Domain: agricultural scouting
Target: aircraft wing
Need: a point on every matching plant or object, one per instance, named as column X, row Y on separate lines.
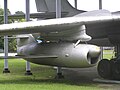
column 50, row 25
column 95, row 26
column 45, row 15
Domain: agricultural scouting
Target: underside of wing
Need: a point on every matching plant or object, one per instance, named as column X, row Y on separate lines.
column 95, row 24
column 46, row 15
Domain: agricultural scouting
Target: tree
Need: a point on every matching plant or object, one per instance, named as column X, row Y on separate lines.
column 1, row 22
column 2, row 19
column 12, row 42
column 1, row 13
column 20, row 13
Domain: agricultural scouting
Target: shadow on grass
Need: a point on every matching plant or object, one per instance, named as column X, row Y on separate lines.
column 44, row 81
column 44, row 74
column 72, row 77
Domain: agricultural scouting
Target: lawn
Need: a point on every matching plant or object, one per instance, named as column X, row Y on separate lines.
column 42, row 79
column 108, row 54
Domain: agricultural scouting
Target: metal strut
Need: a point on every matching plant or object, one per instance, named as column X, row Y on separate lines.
column 27, row 17
column 58, row 15
column 100, row 4
column 6, row 70
column 76, row 43
column 76, row 4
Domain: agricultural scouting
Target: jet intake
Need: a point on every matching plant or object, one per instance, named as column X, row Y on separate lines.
column 93, row 54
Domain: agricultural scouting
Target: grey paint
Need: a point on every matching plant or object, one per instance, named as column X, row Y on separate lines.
column 58, row 15
column 27, row 17
column 5, row 37
column 41, row 6
column 75, row 3
column 99, row 24
column 100, row 4
column 50, row 6
column 68, row 56
column 60, row 35
column 58, row 8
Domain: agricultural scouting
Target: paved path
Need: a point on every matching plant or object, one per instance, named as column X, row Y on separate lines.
column 87, row 76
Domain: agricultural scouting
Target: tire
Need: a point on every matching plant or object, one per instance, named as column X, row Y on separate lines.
column 112, row 62
column 104, row 69
column 116, row 70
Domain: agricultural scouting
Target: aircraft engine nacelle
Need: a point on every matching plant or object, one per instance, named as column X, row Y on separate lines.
column 68, row 55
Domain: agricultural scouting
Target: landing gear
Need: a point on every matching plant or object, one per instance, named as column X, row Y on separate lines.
column 116, row 70
column 59, row 76
column 6, row 70
column 28, row 70
column 28, row 73
column 104, row 69
column 59, row 73
column 109, row 69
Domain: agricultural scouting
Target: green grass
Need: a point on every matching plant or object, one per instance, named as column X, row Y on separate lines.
column 42, row 79
column 108, row 54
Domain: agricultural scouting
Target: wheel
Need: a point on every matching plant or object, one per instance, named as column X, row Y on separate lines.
column 112, row 63
column 104, row 69
column 116, row 70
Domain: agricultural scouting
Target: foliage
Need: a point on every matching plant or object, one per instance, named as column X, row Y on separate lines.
column 2, row 18
column 12, row 45
column 1, row 13
column 12, row 42
column 20, row 13
column 1, row 42
column 1, row 22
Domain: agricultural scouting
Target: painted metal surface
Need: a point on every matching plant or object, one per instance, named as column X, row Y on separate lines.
column 83, row 55
column 57, row 37
column 100, row 4
column 50, row 6
column 54, row 25
column 5, row 37
column 75, row 3
column 58, row 15
column 99, row 25
column 27, row 17
column 58, row 8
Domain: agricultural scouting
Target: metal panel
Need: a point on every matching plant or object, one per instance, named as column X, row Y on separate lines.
column 41, row 6
column 50, row 6
column 100, row 4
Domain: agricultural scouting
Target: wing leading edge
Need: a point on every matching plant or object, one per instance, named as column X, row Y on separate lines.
column 57, row 25
column 51, row 25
